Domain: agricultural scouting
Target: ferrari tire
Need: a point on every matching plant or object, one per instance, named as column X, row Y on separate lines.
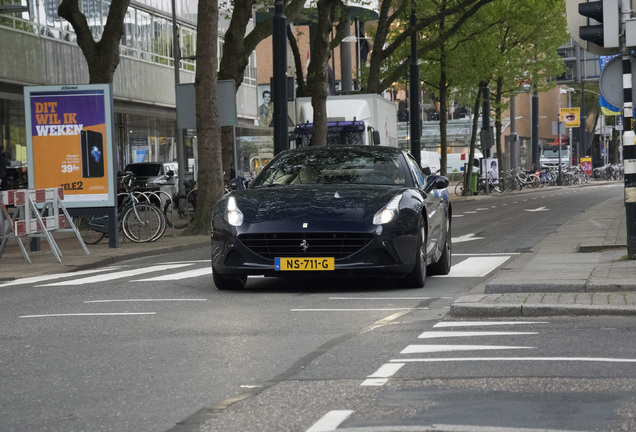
column 228, row 282
column 443, row 264
column 417, row 277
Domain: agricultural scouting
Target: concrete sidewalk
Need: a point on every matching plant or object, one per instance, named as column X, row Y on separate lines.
column 564, row 275
column 14, row 266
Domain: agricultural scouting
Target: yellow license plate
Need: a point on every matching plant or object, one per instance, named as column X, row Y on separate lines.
column 300, row 264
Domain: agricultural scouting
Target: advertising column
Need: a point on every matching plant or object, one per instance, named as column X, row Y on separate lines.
column 70, row 142
column 69, row 131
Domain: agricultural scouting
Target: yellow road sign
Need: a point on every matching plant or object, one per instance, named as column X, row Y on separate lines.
column 571, row 117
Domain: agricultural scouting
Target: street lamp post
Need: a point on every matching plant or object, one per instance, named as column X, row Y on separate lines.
column 176, row 52
column 279, row 57
column 416, row 122
column 559, row 178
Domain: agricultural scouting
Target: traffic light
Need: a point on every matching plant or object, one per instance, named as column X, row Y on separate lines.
column 603, row 23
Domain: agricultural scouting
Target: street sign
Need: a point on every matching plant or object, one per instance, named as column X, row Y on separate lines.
column 571, row 117
column 611, row 82
column 558, row 128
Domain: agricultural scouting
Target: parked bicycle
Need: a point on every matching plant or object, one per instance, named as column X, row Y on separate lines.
column 494, row 185
column 179, row 210
column 141, row 222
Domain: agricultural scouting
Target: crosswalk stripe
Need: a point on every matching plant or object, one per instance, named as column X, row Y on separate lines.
column 484, row 323
column 118, row 275
column 419, row 349
column 445, row 334
column 476, row 266
column 178, row 276
column 36, row 279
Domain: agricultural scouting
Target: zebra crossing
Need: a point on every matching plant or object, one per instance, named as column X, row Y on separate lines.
column 465, row 267
column 427, row 351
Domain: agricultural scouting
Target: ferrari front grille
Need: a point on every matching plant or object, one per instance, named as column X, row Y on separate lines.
column 337, row 245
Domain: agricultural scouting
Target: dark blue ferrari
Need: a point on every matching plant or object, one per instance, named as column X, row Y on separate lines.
column 334, row 211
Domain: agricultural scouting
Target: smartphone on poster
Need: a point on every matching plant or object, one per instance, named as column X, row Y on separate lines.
column 92, row 154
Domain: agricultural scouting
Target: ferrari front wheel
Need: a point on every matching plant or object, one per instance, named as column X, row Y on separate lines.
column 417, row 277
column 443, row 264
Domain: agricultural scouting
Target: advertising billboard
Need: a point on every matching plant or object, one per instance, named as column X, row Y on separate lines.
column 70, row 142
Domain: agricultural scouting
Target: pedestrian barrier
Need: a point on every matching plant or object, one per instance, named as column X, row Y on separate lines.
column 34, row 213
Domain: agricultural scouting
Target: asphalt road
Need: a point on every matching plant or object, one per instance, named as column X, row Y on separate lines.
column 152, row 346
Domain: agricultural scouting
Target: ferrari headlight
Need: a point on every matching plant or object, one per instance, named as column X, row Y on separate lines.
column 233, row 214
column 387, row 213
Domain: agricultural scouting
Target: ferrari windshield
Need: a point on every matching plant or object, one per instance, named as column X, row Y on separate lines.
column 329, row 165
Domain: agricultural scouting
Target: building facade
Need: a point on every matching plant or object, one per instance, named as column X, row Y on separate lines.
column 39, row 48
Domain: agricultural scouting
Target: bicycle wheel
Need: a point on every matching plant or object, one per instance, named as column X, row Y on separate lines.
column 89, row 235
column 143, row 223
column 459, row 189
column 179, row 211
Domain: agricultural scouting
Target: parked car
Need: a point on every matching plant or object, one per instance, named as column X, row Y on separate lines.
column 334, row 211
column 156, row 176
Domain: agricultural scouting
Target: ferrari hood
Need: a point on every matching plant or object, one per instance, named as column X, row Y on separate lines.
column 313, row 202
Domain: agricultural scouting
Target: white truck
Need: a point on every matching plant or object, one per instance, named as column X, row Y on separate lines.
column 362, row 119
column 550, row 157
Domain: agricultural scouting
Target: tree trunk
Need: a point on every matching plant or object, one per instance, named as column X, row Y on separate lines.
column 443, row 100
column 210, row 178
column 499, row 125
column 317, row 71
column 102, row 58
column 468, row 173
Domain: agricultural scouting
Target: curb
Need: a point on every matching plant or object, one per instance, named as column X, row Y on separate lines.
column 480, row 310
column 510, row 288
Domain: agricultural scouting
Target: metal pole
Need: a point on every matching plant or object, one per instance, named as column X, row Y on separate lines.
column 414, row 95
column 345, row 60
column 279, row 57
column 485, row 143
column 177, row 60
column 514, row 151
column 560, row 176
column 629, row 157
column 535, row 130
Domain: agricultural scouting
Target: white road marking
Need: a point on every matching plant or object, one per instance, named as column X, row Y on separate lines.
column 330, row 421
column 520, row 359
column 476, row 266
column 420, row 349
column 191, row 262
column 484, row 323
column 387, row 370
column 489, row 254
column 465, row 238
column 178, row 276
column 457, row 215
column 118, row 275
column 445, row 334
column 143, row 300
column 539, row 209
column 355, row 310
column 36, row 279
column 386, row 298
column 382, row 375
column 88, row 314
